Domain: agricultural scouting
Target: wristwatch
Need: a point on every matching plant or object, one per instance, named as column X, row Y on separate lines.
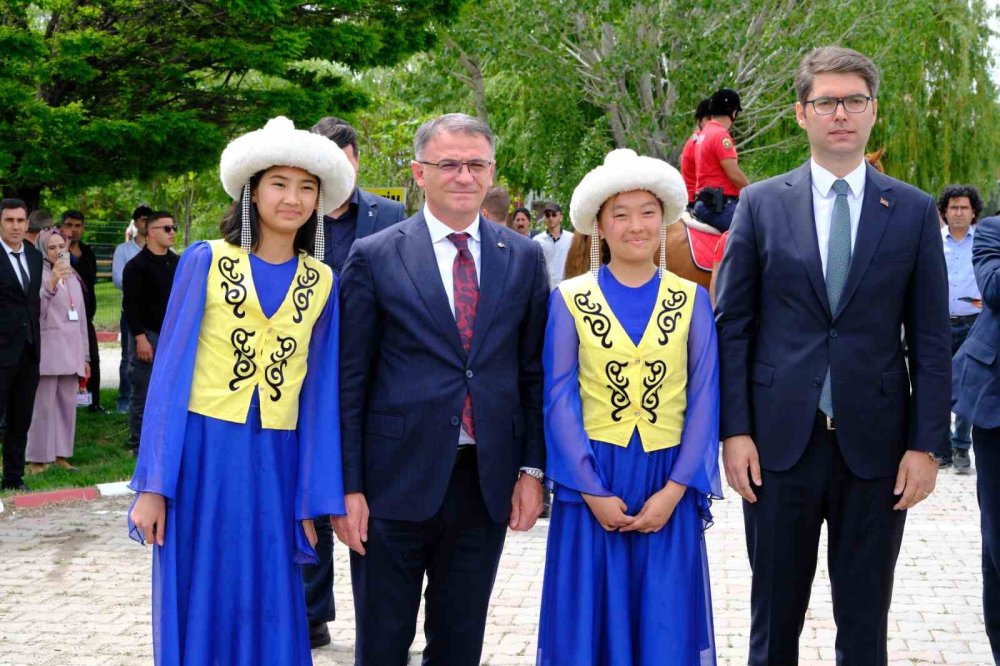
column 534, row 473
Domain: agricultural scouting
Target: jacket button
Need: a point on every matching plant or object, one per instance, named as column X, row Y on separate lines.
column 833, row 332
column 817, row 381
column 468, row 373
column 454, row 420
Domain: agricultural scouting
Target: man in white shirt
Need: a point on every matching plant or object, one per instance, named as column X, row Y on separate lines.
column 442, row 320
column 124, row 253
column 555, row 242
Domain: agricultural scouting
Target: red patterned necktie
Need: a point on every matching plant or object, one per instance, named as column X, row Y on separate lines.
column 466, row 289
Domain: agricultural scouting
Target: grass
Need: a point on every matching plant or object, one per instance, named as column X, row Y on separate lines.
column 99, row 452
column 109, row 306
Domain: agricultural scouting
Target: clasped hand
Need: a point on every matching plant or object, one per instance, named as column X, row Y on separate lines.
column 610, row 512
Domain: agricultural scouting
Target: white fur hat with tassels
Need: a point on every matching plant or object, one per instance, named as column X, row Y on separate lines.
column 278, row 143
column 624, row 171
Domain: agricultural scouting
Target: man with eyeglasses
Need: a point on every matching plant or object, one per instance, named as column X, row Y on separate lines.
column 718, row 177
column 442, row 320
column 555, row 242
column 825, row 417
column 146, row 283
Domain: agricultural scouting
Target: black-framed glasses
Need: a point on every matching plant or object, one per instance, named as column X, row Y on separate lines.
column 454, row 167
column 169, row 228
column 824, row 106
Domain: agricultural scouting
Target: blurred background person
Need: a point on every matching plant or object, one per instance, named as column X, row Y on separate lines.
column 65, row 356
column 38, row 221
column 555, row 243
column 124, row 253
column 83, row 260
column 496, row 205
column 521, row 222
column 147, row 281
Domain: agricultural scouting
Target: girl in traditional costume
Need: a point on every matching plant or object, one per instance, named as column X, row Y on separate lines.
column 240, row 445
column 631, row 429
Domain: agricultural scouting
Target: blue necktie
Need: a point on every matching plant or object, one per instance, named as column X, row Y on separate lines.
column 838, row 263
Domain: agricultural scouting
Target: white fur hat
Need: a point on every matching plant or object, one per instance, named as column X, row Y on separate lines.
column 624, row 171
column 280, row 144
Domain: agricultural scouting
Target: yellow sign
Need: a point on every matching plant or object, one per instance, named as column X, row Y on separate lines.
column 394, row 193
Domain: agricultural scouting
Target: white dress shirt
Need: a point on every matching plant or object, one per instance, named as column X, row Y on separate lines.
column 824, row 197
column 23, row 259
column 445, row 253
column 555, row 252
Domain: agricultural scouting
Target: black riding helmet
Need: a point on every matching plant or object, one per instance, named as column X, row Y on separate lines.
column 703, row 109
column 725, row 102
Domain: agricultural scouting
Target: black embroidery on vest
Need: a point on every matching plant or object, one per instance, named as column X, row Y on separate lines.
column 244, row 368
column 668, row 317
column 651, row 384
column 236, row 292
column 274, row 374
column 618, row 386
column 303, row 291
column 600, row 325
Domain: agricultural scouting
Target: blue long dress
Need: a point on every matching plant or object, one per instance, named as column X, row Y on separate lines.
column 227, row 587
column 627, row 598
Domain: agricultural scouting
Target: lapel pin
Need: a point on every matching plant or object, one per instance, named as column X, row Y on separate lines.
column 371, row 213
column 501, row 245
column 884, row 201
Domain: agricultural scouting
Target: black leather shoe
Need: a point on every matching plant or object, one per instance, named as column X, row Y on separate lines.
column 14, row 485
column 961, row 461
column 319, row 635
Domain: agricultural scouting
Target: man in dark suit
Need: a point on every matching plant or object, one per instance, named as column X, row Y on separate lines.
column 976, row 398
column 824, row 267
column 362, row 214
column 441, row 402
column 20, row 338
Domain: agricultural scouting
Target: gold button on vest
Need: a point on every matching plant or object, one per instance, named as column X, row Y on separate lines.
column 239, row 349
column 624, row 386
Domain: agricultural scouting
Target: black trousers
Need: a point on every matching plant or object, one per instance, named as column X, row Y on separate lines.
column 783, row 531
column 459, row 550
column 317, row 579
column 18, row 384
column 987, row 447
column 140, row 373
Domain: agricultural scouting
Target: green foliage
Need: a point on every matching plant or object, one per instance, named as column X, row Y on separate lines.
column 93, row 93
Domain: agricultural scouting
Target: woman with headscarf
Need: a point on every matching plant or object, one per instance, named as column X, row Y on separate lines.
column 240, row 444
column 631, row 428
column 64, row 358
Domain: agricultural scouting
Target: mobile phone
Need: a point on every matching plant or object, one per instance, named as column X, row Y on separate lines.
column 64, row 257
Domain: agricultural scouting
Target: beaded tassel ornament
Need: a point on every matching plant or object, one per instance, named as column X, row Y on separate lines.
column 663, row 249
column 245, row 235
column 595, row 251
column 319, row 244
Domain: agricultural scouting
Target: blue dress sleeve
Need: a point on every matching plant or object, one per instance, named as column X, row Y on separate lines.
column 570, row 461
column 165, row 420
column 320, row 487
column 697, row 464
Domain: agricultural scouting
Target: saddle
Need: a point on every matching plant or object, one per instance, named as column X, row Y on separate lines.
column 702, row 240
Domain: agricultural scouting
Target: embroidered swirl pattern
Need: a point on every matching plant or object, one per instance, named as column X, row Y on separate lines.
column 651, row 384
column 236, row 291
column 667, row 318
column 303, row 291
column 593, row 315
column 618, row 386
column 244, row 368
column 274, row 374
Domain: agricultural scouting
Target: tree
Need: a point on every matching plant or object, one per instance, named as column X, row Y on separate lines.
column 95, row 92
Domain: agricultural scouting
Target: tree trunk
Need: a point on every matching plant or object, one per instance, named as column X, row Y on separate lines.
column 31, row 195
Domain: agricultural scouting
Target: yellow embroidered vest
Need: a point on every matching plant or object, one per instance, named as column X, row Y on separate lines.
column 240, row 349
column 624, row 386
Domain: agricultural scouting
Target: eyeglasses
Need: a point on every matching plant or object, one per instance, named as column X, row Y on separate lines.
column 454, row 167
column 169, row 228
column 824, row 106
column 551, row 213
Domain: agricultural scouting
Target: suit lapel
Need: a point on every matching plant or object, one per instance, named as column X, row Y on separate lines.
column 494, row 258
column 876, row 209
column 367, row 210
column 417, row 255
column 798, row 204
column 7, row 272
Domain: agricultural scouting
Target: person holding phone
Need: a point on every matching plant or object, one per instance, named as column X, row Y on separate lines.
column 65, row 358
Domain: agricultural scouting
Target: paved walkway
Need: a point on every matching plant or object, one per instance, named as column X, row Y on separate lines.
column 74, row 590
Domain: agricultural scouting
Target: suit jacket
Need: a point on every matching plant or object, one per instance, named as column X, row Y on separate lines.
column 375, row 213
column 976, row 373
column 19, row 312
column 65, row 346
column 404, row 373
column 777, row 335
